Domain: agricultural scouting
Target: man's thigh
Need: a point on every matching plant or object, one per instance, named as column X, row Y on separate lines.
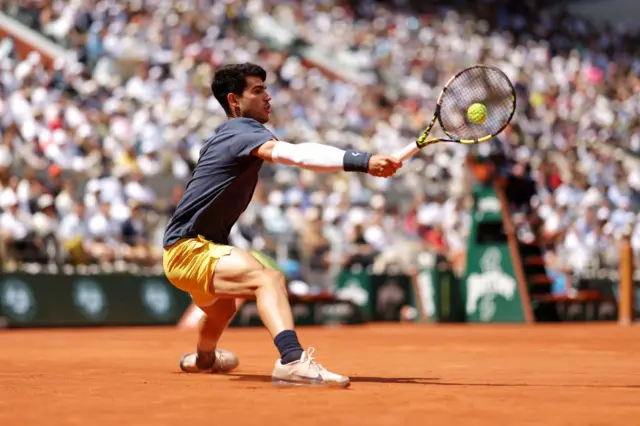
column 240, row 274
column 208, row 271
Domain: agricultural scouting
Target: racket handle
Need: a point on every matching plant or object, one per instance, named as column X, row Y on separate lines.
column 407, row 152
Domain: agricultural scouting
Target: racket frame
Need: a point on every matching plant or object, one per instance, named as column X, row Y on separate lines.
column 422, row 141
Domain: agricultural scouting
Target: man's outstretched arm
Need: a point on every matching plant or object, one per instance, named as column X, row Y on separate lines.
column 326, row 158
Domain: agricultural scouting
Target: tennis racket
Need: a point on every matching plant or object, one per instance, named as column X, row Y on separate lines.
column 484, row 85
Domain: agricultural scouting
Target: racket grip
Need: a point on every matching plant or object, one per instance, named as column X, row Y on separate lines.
column 407, row 152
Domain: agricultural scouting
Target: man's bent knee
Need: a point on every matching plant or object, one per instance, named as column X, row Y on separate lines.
column 274, row 279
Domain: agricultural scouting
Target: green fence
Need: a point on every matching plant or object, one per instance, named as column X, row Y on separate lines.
column 48, row 300
column 433, row 294
column 45, row 300
column 306, row 312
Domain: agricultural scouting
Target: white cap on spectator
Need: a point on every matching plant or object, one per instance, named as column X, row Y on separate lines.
column 149, row 146
column 34, row 58
column 592, row 197
column 84, row 130
column 60, row 137
column 330, row 214
column 377, row 201
column 64, row 203
column 44, row 201
column 603, row 213
column 39, row 96
column 93, row 186
column 120, row 212
column 427, row 215
column 44, row 135
column 29, row 130
column 23, row 70
column 294, row 197
column 74, row 116
column 317, row 198
column 357, row 216
column 98, row 226
column 59, row 63
column 562, row 198
column 8, row 198
column 276, row 198
column 75, row 68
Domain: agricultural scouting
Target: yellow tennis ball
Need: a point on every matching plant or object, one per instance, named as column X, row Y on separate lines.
column 477, row 113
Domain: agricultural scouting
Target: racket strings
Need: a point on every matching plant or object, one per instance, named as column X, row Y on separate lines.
column 485, row 85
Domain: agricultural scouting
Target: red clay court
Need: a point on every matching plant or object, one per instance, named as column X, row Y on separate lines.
column 402, row 374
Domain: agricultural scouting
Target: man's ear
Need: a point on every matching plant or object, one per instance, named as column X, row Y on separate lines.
column 233, row 101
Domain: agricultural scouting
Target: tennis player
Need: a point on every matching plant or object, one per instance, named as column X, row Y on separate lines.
column 197, row 257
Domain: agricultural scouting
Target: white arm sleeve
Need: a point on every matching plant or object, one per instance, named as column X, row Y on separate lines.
column 310, row 156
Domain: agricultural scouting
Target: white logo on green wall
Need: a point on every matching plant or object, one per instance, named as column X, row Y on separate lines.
column 353, row 292
column 157, row 298
column 489, row 204
column 492, row 281
column 90, row 299
column 17, row 299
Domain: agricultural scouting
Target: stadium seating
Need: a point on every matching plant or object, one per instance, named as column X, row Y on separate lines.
column 123, row 117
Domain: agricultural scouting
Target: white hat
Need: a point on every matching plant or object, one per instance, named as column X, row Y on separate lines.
column 603, row 213
column 330, row 214
column 295, row 197
column 59, row 137
column 93, row 186
column 357, row 216
column 592, row 197
column 84, row 130
column 8, row 198
column 29, row 129
column 45, row 200
column 276, row 198
column 377, row 201
column 317, row 198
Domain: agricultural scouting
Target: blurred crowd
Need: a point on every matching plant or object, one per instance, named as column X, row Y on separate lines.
column 86, row 142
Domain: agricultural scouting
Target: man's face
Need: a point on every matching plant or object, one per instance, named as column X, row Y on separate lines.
column 255, row 100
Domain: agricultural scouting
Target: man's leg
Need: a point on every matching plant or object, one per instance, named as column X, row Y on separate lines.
column 215, row 320
column 240, row 275
column 210, row 327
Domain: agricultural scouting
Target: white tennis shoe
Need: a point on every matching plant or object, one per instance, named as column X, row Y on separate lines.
column 308, row 372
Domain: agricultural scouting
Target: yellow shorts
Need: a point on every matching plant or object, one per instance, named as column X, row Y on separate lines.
column 189, row 264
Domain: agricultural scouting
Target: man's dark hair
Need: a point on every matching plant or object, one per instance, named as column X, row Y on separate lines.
column 231, row 79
